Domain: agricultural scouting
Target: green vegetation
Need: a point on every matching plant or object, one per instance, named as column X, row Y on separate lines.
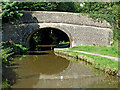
column 19, row 49
column 5, row 83
column 16, row 48
column 47, row 6
column 62, row 43
column 103, row 50
column 8, row 50
column 107, row 65
column 9, row 12
column 6, row 53
column 105, row 10
column 5, row 59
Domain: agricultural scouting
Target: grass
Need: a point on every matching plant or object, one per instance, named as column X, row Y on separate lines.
column 103, row 50
column 105, row 64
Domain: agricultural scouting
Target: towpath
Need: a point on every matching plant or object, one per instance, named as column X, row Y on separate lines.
column 109, row 57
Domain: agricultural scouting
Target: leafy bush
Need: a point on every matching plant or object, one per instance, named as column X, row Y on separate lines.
column 8, row 49
column 104, row 10
column 5, row 83
column 37, row 6
column 5, row 55
column 19, row 49
column 16, row 48
column 9, row 12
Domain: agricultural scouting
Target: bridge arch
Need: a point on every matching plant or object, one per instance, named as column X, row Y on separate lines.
column 27, row 39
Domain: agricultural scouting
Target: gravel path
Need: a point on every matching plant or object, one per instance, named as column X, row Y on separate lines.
column 110, row 57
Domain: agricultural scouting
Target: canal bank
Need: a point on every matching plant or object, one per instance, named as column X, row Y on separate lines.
column 105, row 64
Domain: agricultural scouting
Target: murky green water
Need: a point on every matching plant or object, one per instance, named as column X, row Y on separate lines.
column 45, row 63
column 46, row 70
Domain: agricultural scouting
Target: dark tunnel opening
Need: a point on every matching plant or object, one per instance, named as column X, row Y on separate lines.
column 48, row 39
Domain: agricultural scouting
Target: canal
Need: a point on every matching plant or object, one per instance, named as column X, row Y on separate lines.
column 43, row 69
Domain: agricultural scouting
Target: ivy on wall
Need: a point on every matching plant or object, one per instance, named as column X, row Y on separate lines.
column 9, row 12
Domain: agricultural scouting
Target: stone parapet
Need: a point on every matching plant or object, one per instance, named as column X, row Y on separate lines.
column 60, row 17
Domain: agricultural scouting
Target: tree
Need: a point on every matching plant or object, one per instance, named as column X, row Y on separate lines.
column 9, row 12
column 66, row 6
column 37, row 6
column 110, row 11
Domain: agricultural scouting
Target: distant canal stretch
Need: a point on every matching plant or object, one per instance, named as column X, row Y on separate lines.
column 43, row 69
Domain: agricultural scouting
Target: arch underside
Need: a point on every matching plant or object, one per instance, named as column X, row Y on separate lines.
column 46, row 25
column 65, row 36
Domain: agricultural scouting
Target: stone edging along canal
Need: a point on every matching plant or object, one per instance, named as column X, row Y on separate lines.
column 77, row 58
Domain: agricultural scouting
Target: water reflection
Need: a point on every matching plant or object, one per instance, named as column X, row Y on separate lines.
column 46, row 63
column 45, row 70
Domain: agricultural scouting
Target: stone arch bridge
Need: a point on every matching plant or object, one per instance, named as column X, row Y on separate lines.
column 80, row 29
